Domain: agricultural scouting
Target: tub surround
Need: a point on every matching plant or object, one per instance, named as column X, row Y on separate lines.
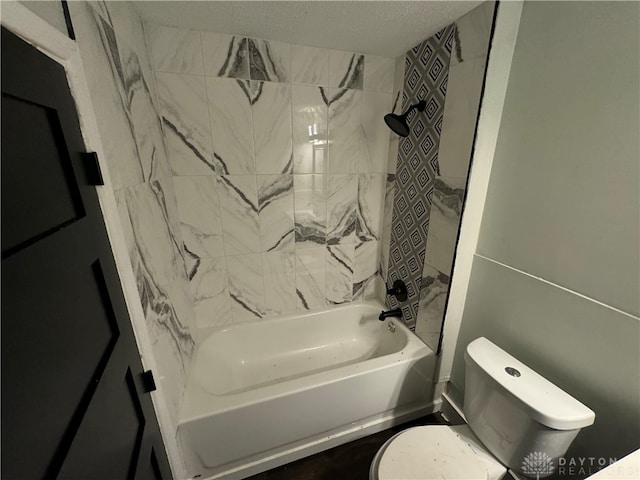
column 213, row 149
column 278, row 155
column 120, row 79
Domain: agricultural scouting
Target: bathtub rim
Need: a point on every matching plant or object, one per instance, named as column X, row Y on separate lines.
column 360, row 326
column 197, row 403
column 198, row 410
column 204, row 332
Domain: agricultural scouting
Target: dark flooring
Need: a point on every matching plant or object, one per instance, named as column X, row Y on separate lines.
column 350, row 461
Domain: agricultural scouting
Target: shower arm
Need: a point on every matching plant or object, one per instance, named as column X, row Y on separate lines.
column 421, row 105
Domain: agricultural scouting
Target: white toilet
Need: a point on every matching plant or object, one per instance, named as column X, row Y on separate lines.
column 516, row 419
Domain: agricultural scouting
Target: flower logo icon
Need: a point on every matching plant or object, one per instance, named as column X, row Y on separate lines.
column 537, row 463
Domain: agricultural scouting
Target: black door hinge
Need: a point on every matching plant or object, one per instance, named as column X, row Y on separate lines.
column 148, row 382
column 92, row 168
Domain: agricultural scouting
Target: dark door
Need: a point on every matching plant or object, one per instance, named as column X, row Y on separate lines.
column 73, row 401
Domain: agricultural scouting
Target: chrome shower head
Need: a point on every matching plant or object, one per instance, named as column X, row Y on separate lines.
column 398, row 123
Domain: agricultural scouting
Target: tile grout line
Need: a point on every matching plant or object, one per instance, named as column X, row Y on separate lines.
column 227, row 284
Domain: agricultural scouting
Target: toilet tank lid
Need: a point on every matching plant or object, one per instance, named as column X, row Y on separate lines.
column 545, row 402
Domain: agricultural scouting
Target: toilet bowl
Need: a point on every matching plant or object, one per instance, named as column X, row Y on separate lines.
column 514, row 416
column 450, row 452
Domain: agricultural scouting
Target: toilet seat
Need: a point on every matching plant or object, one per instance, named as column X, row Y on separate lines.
column 435, row 452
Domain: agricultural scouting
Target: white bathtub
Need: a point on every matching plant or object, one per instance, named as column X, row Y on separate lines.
column 268, row 392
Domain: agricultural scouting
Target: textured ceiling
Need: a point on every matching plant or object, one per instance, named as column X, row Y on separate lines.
column 387, row 28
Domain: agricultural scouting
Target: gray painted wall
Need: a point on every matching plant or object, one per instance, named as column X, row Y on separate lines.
column 555, row 279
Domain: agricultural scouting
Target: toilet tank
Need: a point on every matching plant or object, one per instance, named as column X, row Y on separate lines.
column 524, row 420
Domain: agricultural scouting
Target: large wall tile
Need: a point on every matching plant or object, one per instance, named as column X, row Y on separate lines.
column 246, row 286
column 365, row 269
column 125, row 222
column 342, row 202
column 225, row 55
column 144, row 117
column 239, row 212
column 272, row 128
column 390, row 190
column 346, row 69
column 440, row 252
column 446, row 206
column 127, row 27
column 371, row 188
column 392, row 157
column 345, row 129
column 460, row 116
column 309, row 65
column 280, row 282
column 383, row 267
column 385, row 244
column 434, row 290
column 310, row 197
column 378, row 74
column 309, row 114
column 199, row 211
column 164, row 190
column 376, row 133
column 210, row 292
column 444, row 222
column 275, row 203
column 175, row 49
column 339, row 273
column 140, row 89
column 310, row 278
column 473, row 32
column 269, row 60
column 185, row 115
column 107, row 95
column 160, row 274
column 231, row 124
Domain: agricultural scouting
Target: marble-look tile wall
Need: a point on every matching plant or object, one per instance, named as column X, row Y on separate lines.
column 120, row 79
column 422, row 247
column 279, row 156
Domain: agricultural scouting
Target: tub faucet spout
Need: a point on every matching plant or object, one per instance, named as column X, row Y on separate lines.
column 390, row 313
